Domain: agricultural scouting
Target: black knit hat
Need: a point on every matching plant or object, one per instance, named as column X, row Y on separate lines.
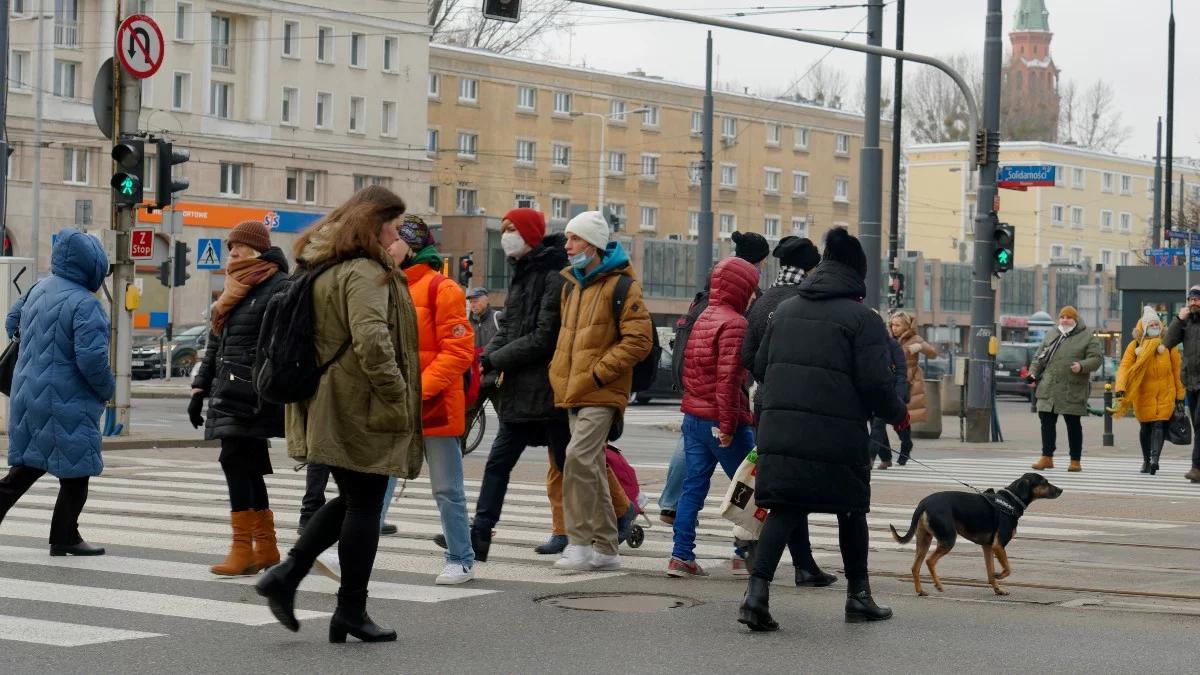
column 797, row 252
column 841, row 246
column 751, row 247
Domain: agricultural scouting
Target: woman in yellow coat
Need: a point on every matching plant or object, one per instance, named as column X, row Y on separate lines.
column 1148, row 381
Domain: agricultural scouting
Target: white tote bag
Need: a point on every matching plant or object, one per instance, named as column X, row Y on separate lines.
column 739, row 507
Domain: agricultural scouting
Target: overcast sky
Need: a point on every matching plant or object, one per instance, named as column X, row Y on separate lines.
column 1122, row 41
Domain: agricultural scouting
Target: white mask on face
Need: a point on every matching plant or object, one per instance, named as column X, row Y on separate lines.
column 1154, row 331
column 513, row 244
column 1066, row 328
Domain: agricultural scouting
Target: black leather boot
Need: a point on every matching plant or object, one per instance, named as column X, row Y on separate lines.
column 82, row 548
column 1156, row 445
column 278, row 585
column 481, row 541
column 860, row 606
column 351, row 618
column 1145, row 467
column 754, row 612
column 814, row 577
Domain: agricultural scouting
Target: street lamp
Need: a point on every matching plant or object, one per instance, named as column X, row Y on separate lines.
column 603, row 153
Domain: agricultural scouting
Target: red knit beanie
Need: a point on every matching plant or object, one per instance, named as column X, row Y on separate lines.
column 530, row 223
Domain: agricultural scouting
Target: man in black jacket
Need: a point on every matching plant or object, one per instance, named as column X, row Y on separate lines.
column 1185, row 330
column 813, row 448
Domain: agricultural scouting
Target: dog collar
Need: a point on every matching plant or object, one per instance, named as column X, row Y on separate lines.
column 1019, row 506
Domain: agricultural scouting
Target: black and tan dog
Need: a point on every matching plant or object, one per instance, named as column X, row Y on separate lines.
column 988, row 519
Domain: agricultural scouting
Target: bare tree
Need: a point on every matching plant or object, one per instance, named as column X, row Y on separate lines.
column 934, row 108
column 1089, row 118
column 461, row 23
column 825, row 85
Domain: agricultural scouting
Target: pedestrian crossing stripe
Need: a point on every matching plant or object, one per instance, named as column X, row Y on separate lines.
column 62, row 634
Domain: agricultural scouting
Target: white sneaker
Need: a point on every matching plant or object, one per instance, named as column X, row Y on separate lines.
column 604, row 562
column 327, row 563
column 453, row 574
column 575, row 557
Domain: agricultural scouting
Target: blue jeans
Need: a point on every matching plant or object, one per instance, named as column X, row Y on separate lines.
column 444, row 459
column 703, row 453
column 676, row 472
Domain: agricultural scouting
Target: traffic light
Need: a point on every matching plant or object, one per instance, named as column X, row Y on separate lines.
column 895, row 289
column 182, row 263
column 1006, row 241
column 164, row 274
column 167, row 184
column 131, row 166
column 465, row 264
column 502, row 10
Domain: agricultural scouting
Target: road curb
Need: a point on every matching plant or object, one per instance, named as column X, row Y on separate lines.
column 150, row 444
column 160, row 394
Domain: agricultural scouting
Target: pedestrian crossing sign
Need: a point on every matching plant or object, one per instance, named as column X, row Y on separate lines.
column 209, row 255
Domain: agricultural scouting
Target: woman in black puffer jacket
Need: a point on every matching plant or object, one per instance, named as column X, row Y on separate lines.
column 236, row 415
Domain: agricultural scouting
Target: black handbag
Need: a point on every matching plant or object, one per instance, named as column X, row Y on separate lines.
column 8, row 363
column 1179, row 429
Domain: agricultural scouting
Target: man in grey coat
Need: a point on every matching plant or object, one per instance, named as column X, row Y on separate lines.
column 1185, row 330
column 1061, row 372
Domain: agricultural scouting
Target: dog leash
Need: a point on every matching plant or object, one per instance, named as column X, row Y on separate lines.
column 930, row 468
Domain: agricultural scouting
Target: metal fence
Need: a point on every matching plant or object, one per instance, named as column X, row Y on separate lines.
column 1016, row 292
column 956, row 287
column 1066, row 288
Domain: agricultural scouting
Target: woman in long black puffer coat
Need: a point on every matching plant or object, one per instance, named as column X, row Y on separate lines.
column 814, row 452
column 236, row 415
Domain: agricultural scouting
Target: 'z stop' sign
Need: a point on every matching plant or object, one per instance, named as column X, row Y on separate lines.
column 141, row 244
column 140, row 46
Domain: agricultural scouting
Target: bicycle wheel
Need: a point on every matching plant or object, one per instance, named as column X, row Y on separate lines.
column 476, row 426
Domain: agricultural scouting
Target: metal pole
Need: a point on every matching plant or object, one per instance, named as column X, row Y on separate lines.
column 1160, row 234
column 704, row 243
column 129, row 90
column 1170, row 113
column 897, row 123
column 4, row 121
column 167, row 360
column 35, row 225
column 983, row 297
column 1107, row 439
column 603, row 160
column 870, row 170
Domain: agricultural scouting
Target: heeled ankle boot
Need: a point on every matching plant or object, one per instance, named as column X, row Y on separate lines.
column 279, row 585
column 266, row 548
column 240, row 560
column 860, row 606
column 814, row 577
column 754, row 612
column 351, row 618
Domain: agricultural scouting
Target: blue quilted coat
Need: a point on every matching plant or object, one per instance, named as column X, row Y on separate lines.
column 62, row 379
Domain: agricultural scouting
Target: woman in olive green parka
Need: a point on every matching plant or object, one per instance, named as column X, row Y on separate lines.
column 1062, row 371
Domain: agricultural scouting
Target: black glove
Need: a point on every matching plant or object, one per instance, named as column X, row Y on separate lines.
column 486, row 364
column 1030, row 379
column 195, row 407
column 1119, row 394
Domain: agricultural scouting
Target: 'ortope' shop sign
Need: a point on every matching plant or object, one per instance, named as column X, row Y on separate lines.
column 227, row 217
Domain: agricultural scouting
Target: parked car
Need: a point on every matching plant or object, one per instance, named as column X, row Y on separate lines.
column 183, row 352
column 663, row 385
column 935, row 368
column 1012, row 367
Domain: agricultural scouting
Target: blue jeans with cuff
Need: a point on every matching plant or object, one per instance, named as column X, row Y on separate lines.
column 703, row 452
column 444, row 459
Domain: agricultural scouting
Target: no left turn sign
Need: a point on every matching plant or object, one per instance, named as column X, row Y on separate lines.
column 140, row 46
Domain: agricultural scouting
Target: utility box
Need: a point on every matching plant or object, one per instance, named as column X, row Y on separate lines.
column 16, row 278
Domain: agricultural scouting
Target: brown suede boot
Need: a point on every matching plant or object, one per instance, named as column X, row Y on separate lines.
column 241, row 553
column 1193, row 475
column 266, row 550
column 1075, row 466
column 1044, row 462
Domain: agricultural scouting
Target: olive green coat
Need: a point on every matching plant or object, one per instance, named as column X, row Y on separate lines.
column 366, row 414
column 1058, row 389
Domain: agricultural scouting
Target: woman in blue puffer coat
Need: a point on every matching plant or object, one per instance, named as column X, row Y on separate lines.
column 60, row 386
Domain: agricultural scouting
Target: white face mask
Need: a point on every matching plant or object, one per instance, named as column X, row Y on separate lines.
column 1067, row 328
column 513, row 244
column 1154, row 331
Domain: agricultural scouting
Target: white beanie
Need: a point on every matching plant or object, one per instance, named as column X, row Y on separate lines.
column 1149, row 316
column 591, row 227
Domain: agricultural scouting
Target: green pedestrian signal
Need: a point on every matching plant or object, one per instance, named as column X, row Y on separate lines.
column 129, row 156
column 1005, row 236
column 127, row 185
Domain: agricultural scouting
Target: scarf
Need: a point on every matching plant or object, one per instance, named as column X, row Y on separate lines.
column 241, row 277
column 789, row 276
column 1147, row 350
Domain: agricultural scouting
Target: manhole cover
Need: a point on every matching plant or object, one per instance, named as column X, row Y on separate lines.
column 618, row 602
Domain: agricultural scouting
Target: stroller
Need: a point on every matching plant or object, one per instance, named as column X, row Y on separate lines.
column 627, row 477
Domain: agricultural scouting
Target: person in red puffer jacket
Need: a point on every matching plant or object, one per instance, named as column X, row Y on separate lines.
column 717, row 422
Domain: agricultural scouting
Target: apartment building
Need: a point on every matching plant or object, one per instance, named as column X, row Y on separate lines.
column 287, row 107
column 1098, row 212
column 506, row 132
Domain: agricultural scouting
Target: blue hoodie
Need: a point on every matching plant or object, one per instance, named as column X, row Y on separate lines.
column 614, row 257
column 62, row 379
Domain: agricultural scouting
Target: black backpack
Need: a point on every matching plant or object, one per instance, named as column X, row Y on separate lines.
column 645, row 370
column 287, row 368
column 683, row 330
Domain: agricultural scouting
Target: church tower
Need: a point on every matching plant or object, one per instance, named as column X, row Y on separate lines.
column 1032, row 77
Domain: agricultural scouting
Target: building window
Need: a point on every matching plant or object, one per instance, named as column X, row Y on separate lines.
column 1077, row 179
column 1126, row 221
column 1106, row 258
column 1106, row 221
column 220, row 96
column 1106, row 182
column 693, row 223
column 287, row 105
column 66, row 23
column 1124, row 258
column 1077, row 217
column 562, row 102
column 695, row 172
column 310, row 187
column 799, row 226
column 324, row 111
column 697, row 123
column 64, row 78
column 1057, row 214
column 649, row 218
column 75, row 165
column 468, row 145
column 221, row 38
column 525, row 200
column 773, row 134
column 650, row 116
column 559, row 207
column 387, row 118
column 728, row 128
column 291, row 44
column 433, row 198
column 561, row 156
column 231, row 179
column 1076, row 255
column 526, row 98
column 361, row 181
column 616, row 163
column 526, row 152
column 358, row 50
column 468, row 90
column 391, row 46
column 617, row 111
column 435, row 85
column 358, row 113
column 464, row 201
column 1056, row 252
column 1149, row 188
column 292, row 186
column 183, row 21
column 771, row 227
column 18, row 70
column 800, row 138
column 302, row 186
column 771, row 180
column 650, row 167
column 181, row 91
column 324, row 44
column 841, row 189
column 728, row 175
column 1126, row 184
column 843, row 144
column 800, row 183
column 431, row 142
column 728, row 224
